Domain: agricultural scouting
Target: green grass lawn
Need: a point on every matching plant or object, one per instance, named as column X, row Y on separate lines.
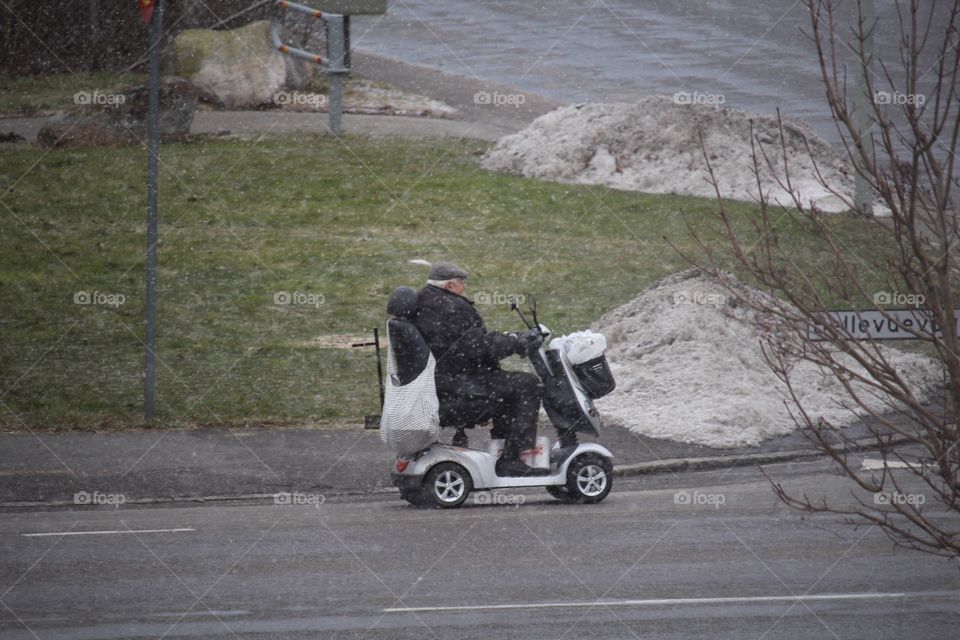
column 336, row 223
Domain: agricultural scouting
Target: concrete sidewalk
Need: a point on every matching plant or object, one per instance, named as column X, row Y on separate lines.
column 222, row 463
column 249, row 124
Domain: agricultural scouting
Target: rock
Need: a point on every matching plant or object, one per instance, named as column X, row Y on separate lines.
column 123, row 119
column 236, row 69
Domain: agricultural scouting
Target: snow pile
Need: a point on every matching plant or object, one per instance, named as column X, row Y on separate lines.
column 362, row 96
column 653, row 146
column 369, row 98
column 689, row 367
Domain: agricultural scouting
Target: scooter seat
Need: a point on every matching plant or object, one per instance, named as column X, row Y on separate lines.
column 463, row 403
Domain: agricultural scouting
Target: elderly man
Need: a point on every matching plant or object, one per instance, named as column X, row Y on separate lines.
column 468, row 374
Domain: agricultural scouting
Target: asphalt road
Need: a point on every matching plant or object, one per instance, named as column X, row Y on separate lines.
column 746, row 55
column 696, row 555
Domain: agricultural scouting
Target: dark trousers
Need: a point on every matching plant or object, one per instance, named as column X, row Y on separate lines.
column 510, row 398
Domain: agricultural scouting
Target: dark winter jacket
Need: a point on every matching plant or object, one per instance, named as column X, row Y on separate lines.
column 457, row 336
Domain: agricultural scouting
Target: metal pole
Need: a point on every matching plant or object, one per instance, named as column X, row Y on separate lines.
column 346, row 42
column 862, row 109
column 335, row 68
column 93, row 57
column 376, row 346
column 153, row 155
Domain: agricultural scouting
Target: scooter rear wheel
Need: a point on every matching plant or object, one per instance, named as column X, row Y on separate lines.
column 589, row 478
column 446, row 486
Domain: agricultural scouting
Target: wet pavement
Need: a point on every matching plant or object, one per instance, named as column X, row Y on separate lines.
column 751, row 55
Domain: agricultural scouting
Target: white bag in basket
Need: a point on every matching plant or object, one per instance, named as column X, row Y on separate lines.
column 584, row 346
column 411, row 412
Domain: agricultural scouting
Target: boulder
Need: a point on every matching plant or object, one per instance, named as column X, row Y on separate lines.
column 236, row 69
column 119, row 119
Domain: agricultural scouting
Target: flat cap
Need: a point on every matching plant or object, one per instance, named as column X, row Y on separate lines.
column 446, row 271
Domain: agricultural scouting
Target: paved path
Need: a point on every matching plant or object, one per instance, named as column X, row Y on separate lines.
column 254, row 123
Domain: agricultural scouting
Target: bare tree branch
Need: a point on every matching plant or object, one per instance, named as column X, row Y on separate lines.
column 910, row 163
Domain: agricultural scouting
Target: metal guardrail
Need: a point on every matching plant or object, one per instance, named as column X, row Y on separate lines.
column 336, row 50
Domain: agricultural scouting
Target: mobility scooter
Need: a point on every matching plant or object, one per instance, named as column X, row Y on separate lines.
column 574, row 372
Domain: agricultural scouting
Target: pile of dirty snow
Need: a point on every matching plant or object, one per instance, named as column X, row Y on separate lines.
column 653, row 145
column 689, row 367
column 363, row 96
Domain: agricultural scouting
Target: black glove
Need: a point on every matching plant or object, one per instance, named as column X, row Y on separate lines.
column 528, row 339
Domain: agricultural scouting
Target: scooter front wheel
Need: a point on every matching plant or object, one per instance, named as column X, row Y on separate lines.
column 446, row 486
column 589, row 478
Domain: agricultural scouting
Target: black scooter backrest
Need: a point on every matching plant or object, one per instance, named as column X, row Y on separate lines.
column 403, row 302
column 409, row 346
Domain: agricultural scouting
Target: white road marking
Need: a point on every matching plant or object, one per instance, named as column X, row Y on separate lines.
column 679, row 601
column 104, row 533
column 869, row 464
column 878, row 465
column 31, row 472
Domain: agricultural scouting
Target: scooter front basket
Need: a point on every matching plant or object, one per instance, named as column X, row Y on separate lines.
column 595, row 376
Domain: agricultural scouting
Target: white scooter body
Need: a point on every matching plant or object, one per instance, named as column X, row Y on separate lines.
column 442, row 475
column 480, row 465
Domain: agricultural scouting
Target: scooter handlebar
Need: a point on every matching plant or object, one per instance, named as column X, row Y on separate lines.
column 513, row 305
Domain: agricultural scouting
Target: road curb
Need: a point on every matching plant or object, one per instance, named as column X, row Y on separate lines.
column 671, row 465
column 713, row 462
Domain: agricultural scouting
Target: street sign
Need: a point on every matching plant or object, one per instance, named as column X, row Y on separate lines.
column 889, row 324
column 353, row 7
